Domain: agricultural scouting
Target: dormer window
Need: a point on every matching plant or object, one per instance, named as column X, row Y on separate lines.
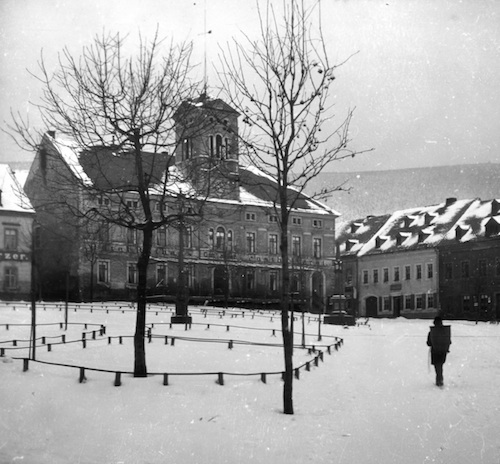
column 354, row 227
column 296, row 221
column 407, row 220
column 423, row 236
column 349, row 244
column 492, row 228
column 459, row 232
column 379, row 241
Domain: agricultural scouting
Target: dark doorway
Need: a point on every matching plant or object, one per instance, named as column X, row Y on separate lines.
column 371, row 306
column 221, row 281
column 397, row 302
column 317, row 293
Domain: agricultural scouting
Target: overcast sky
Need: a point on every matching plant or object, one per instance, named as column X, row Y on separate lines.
column 425, row 81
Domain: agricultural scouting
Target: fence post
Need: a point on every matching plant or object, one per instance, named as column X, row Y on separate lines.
column 230, row 344
column 166, row 339
column 25, row 364
column 165, row 379
column 118, row 380
column 297, row 374
column 263, row 377
column 220, row 379
column 49, row 347
column 82, row 375
column 308, row 366
column 172, row 342
column 63, row 338
column 84, row 343
column 2, row 352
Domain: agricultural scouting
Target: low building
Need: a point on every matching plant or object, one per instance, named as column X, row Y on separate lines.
column 397, row 259
column 16, row 221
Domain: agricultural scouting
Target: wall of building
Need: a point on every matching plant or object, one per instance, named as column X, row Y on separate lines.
column 398, row 295
column 470, row 280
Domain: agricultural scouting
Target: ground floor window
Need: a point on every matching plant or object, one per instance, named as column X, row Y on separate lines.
column 103, row 272
column 132, row 273
column 419, row 302
column 466, row 305
column 250, row 281
column 386, row 303
column 11, row 278
column 161, row 274
column 408, row 302
column 430, row 300
column 273, row 281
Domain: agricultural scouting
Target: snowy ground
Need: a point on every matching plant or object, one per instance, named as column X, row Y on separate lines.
column 372, row 401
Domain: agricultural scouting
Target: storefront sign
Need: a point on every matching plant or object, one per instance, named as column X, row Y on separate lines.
column 14, row 256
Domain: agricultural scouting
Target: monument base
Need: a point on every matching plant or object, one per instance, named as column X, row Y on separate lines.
column 181, row 320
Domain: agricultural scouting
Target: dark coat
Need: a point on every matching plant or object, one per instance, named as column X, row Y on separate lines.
column 439, row 339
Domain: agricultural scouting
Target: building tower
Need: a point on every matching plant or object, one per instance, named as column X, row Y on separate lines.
column 207, row 146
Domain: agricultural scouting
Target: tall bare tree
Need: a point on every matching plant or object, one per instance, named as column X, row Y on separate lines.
column 119, row 111
column 280, row 83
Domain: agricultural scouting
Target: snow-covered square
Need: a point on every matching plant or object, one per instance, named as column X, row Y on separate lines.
column 372, row 400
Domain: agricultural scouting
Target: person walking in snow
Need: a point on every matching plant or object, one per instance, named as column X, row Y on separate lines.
column 439, row 340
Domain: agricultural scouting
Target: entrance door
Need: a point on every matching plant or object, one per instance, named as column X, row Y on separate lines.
column 317, row 293
column 221, row 281
column 397, row 305
column 371, row 306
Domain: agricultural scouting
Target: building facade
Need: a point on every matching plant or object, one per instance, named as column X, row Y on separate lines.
column 469, row 264
column 395, row 263
column 16, row 226
column 229, row 253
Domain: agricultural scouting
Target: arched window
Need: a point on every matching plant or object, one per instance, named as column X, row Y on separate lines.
column 220, row 238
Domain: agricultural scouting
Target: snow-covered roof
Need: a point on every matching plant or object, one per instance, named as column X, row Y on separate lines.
column 482, row 219
column 13, row 197
column 415, row 228
column 103, row 169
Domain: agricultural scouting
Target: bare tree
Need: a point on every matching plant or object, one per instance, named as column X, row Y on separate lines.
column 118, row 111
column 281, row 84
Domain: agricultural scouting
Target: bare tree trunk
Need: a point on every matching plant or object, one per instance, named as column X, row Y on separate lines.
column 140, row 369
column 285, row 324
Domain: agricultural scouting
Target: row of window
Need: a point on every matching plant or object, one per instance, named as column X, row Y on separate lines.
column 464, row 270
column 222, row 240
column 218, row 147
column 104, row 276
column 273, row 218
column 406, row 272
column 410, row 302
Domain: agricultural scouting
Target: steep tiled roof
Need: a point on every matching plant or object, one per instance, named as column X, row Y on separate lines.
column 108, row 168
column 352, row 236
column 412, row 229
column 481, row 220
